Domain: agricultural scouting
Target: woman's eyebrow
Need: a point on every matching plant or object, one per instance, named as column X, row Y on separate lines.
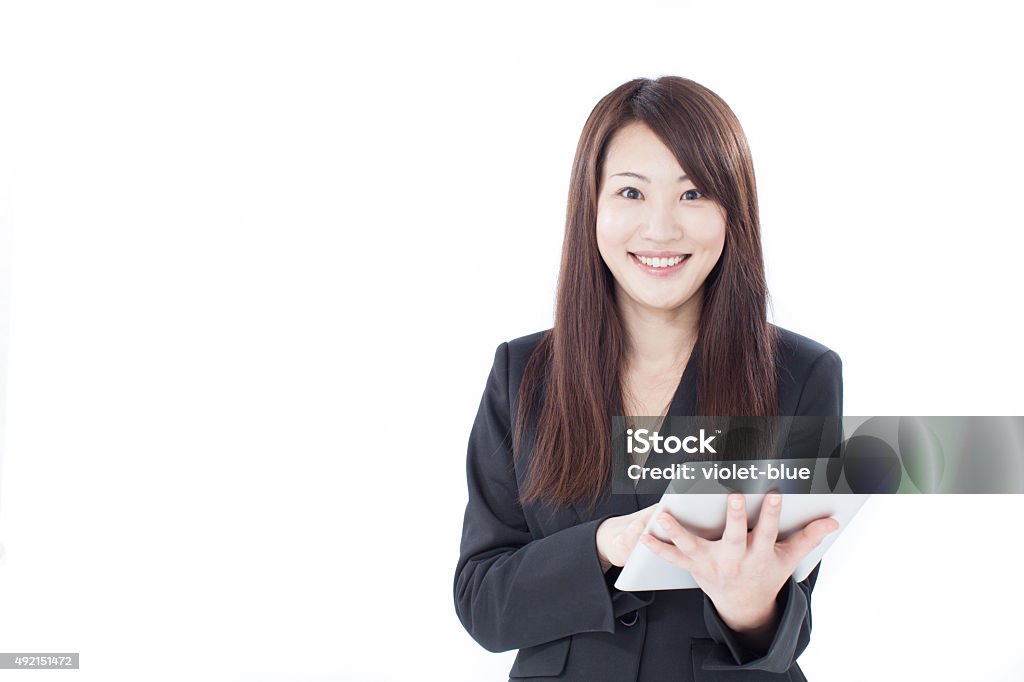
column 682, row 178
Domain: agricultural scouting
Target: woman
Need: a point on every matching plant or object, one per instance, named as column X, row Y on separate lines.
column 661, row 310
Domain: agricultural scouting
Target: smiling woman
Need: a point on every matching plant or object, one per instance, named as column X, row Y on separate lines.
column 661, row 310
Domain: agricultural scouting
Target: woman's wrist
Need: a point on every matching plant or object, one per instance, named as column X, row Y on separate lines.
column 601, row 558
column 755, row 628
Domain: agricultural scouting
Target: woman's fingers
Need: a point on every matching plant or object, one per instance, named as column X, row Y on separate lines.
column 630, row 528
column 766, row 531
column 735, row 534
column 801, row 544
column 636, row 527
column 686, row 541
column 691, row 551
column 638, row 523
column 668, row 551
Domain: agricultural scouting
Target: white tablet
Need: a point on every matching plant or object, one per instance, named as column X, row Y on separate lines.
column 704, row 514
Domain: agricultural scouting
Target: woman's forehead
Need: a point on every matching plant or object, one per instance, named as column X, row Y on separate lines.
column 636, row 151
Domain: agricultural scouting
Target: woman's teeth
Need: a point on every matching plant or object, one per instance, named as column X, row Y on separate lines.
column 661, row 262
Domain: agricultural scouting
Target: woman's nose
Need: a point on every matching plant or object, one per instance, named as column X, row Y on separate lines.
column 662, row 225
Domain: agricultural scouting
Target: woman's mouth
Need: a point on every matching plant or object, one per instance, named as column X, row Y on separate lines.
column 660, row 266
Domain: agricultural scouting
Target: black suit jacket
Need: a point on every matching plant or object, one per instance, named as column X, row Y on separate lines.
column 528, row 576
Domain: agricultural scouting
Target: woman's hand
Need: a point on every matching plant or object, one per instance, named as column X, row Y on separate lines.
column 618, row 535
column 743, row 572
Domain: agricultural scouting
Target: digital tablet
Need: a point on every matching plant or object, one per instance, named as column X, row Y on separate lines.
column 704, row 515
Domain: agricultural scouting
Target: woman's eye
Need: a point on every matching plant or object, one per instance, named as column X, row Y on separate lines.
column 634, row 193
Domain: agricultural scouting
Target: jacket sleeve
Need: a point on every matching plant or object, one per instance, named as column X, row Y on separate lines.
column 513, row 590
column 822, row 395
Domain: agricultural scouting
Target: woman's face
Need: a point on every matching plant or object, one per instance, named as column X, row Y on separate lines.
column 659, row 236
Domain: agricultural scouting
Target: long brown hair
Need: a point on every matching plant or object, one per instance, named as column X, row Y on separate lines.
column 577, row 367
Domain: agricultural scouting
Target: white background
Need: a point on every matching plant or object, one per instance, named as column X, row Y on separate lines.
column 261, row 253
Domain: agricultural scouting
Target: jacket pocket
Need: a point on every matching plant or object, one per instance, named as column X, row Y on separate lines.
column 699, row 650
column 542, row 660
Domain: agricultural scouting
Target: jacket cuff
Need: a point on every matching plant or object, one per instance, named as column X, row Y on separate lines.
column 731, row 654
column 625, row 602
column 591, row 586
column 622, row 602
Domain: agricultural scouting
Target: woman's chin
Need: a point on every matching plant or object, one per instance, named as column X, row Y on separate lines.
column 660, row 304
